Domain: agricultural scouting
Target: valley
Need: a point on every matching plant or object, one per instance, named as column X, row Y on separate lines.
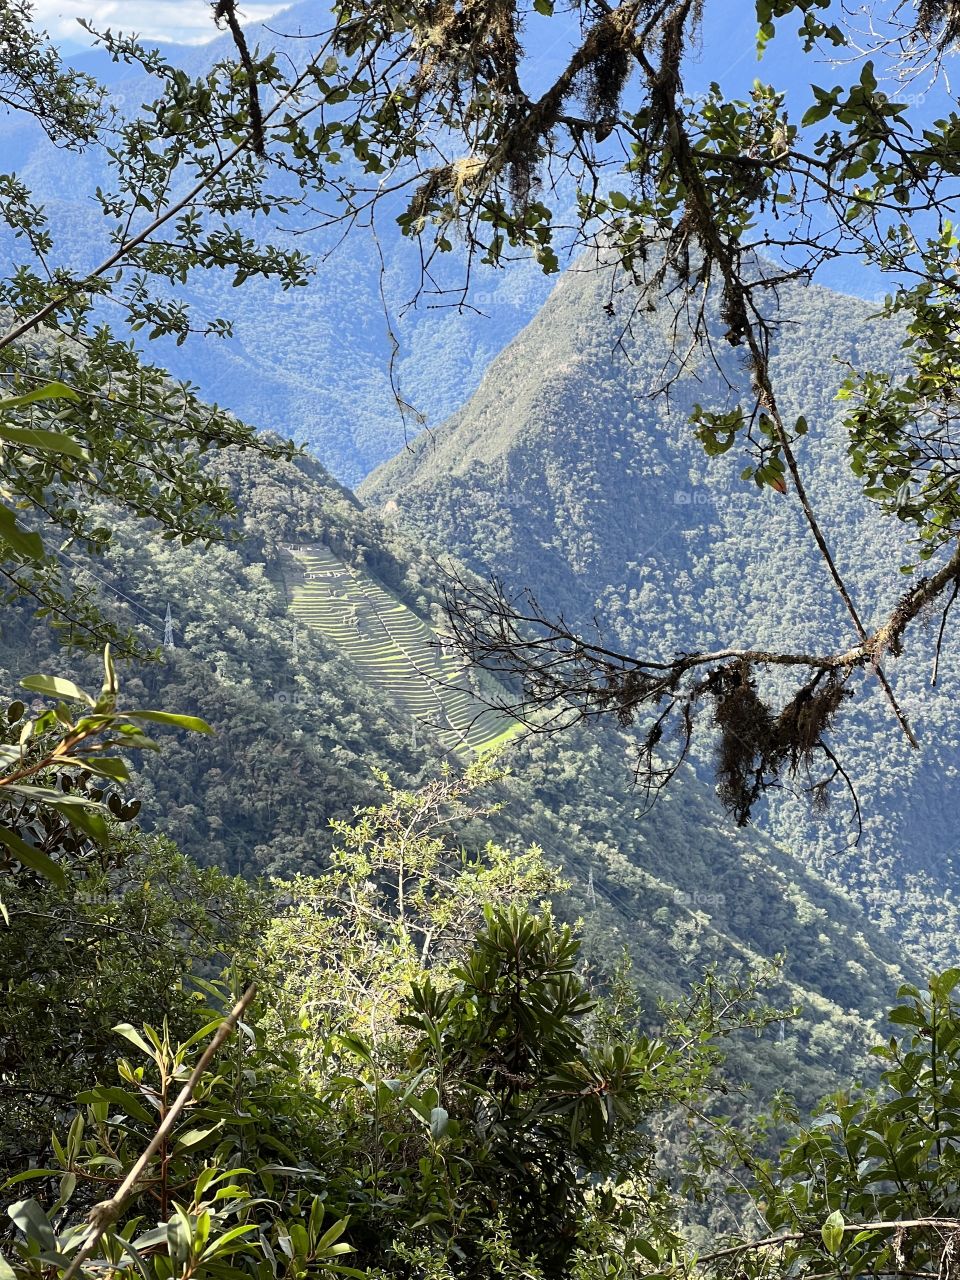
column 479, row 545
column 568, row 474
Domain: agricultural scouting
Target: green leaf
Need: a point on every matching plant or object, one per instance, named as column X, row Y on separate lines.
column 819, row 111
column 27, row 545
column 942, row 984
column 150, row 1239
column 331, row 1234
column 299, row 1241
column 439, row 1122
column 230, row 1242
column 832, row 1232
column 179, row 1236
column 84, row 817
column 107, row 767
column 117, row 1097
column 45, row 441
column 6, row 1271
column 193, row 1137
column 193, row 723
column 355, row 1046
column 133, row 1035
column 29, row 1174
column 52, row 391
column 428, row 1218
column 68, row 1185
column 33, row 858
column 646, row 1250
column 33, row 1222
column 905, row 1016
column 57, row 687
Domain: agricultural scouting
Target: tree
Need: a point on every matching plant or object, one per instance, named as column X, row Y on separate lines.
column 401, row 898
column 99, row 921
column 122, row 937
column 720, row 202
column 211, row 1214
column 869, row 1187
column 426, row 108
column 502, row 1109
column 87, row 417
column 83, row 418
column 58, row 778
column 497, row 1125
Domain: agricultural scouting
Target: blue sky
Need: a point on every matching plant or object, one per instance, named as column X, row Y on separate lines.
column 188, row 21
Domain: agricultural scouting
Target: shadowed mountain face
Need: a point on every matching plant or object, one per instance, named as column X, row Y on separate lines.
column 567, row 474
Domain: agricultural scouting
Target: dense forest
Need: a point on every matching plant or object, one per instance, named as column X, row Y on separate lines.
column 479, row 515
column 566, row 475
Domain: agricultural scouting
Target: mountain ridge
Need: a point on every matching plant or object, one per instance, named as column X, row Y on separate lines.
column 584, row 488
column 300, row 735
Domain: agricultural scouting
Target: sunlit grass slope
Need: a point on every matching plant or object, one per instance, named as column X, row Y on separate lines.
column 395, row 650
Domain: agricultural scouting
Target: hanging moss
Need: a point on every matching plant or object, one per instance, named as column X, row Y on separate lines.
column 745, row 727
column 939, row 20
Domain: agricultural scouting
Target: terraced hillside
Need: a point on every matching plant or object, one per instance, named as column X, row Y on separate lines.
column 394, row 649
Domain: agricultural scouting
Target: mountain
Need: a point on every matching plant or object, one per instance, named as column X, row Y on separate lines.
column 285, row 641
column 305, row 710
column 314, row 364
column 567, row 474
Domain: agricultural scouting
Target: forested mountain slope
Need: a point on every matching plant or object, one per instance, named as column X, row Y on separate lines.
column 300, row 730
column 566, row 474
column 314, row 363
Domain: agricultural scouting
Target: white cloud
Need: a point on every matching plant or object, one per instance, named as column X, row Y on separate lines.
column 185, row 21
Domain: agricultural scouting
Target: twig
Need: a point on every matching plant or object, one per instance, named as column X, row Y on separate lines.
column 164, row 216
column 105, row 1213
column 943, row 623
column 772, row 1242
column 227, row 11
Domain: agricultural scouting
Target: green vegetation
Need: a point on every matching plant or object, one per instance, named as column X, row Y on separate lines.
column 564, row 475
column 460, row 1016
column 395, row 652
column 300, row 729
column 426, row 1085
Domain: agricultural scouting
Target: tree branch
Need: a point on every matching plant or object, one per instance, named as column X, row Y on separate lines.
column 104, row 1214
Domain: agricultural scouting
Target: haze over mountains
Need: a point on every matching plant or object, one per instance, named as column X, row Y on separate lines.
column 314, row 364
